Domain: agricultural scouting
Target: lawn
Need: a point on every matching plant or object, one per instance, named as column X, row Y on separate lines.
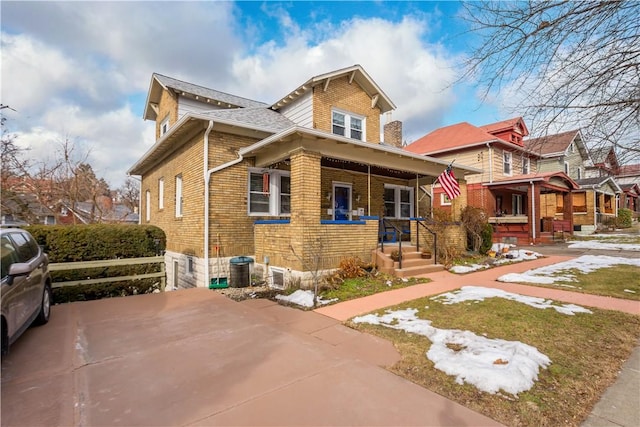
column 586, row 351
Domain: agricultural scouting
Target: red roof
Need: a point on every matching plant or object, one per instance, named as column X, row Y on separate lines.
column 450, row 137
column 629, row 170
column 545, row 177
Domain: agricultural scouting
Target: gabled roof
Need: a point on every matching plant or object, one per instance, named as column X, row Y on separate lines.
column 254, row 116
column 598, row 182
column 214, row 97
column 632, row 189
column 355, row 73
column 448, row 138
column 505, row 125
column 556, row 145
column 600, row 156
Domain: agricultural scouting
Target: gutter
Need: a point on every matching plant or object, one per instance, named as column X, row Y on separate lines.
column 533, row 211
column 490, row 162
column 207, row 180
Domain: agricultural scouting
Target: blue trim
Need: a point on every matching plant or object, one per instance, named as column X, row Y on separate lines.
column 417, row 219
column 365, row 218
column 341, row 222
column 272, row 221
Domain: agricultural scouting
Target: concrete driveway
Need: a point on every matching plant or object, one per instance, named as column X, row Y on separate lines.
column 194, row 357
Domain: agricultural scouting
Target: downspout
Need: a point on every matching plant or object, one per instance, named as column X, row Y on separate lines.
column 533, row 211
column 206, row 176
column 207, row 180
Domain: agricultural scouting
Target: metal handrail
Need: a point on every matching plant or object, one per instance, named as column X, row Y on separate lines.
column 423, row 223
column 383, row 226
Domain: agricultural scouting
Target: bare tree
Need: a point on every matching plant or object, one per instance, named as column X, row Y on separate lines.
column 568, row 65
column 129, row 193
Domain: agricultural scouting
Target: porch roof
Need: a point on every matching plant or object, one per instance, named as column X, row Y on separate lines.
column 545, row 179
column 279, row 147
column 599, row 182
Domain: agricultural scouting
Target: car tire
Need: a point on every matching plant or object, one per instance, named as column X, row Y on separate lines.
column 4, row 350
column 45, row 306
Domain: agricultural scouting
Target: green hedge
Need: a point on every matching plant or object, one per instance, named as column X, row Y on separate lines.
column 625, row 218
column 100, row 242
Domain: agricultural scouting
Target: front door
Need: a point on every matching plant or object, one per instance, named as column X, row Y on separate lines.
column 341, row 202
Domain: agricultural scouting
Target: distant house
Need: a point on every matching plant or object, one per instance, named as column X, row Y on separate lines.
column 511, row 189
column 628, row 177
column 595, row 199
column 296, row 185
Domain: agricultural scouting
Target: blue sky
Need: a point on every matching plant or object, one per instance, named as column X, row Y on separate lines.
column 81, row 70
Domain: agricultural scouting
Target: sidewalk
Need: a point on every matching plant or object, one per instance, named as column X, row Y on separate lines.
column 619, row 404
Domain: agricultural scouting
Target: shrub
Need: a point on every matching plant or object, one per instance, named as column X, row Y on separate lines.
column 100, row 242
column 487, row 239
column 625, row 218
column 474, row 221
column 351, row 268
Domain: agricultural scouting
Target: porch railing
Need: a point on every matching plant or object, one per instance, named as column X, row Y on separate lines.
column 383, row 226
column 423, row 224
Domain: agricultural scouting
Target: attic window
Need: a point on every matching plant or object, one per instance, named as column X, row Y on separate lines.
column 346, row 124
column 164, row 126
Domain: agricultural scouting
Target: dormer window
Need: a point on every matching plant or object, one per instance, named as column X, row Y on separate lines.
column 347, row 124
column 164, row 126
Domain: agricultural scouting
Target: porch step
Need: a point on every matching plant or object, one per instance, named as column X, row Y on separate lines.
column 412, row 262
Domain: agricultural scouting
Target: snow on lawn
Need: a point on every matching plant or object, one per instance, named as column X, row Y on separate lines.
column 303, row 298
column 548, row 275
column 514, row 255
column 477, row 294
column 489, row 364
column 597, row 244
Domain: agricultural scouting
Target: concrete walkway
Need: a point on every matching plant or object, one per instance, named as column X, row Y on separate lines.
column 619, row 406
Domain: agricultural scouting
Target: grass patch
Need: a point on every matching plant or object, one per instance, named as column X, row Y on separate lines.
column 618, row 281
column 617, row 238
column 368, row 285
column 586, row 351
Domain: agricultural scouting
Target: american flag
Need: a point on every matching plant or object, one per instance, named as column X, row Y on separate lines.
column 449, row 183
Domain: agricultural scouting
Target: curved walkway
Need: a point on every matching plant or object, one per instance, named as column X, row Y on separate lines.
column 618, row 405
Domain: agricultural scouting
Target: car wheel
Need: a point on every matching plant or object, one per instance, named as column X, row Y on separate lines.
column 45, row 306
column 5, row 339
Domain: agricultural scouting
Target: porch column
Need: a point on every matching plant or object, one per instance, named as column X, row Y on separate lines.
column 567, row 209
column 533, row 212
column 460, row 202
column 305, row 205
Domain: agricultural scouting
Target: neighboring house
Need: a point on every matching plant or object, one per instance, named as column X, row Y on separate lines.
column 605, row 163
column 510, row 189
column 628, row 177
column 595, row 199
column 297, row 184
column 25, row 209
column 103, row 211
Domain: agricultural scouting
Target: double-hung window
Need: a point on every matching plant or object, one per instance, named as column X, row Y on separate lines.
column 164, row 126
column 526, row 165
column 147, row 203
column 507, row 163
column 347, row 124
column 398, row 201
column 269, row 192
column 178, row 196
column 161, row 193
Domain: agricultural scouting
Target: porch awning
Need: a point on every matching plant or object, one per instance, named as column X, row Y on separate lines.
column 279, row 147
column 555, row 181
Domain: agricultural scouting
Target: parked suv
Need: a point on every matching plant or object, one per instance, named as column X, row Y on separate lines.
column 26, row 284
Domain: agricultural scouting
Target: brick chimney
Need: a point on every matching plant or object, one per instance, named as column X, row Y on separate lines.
column 393, row 133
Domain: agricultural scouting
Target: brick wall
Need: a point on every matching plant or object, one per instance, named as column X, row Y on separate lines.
column 168, row 106
column 348, row 97
column 393, row 133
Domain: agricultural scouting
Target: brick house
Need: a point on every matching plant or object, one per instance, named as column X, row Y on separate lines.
column 510, row 188
column 595, row 199
column 628, row 177
column 296, row 185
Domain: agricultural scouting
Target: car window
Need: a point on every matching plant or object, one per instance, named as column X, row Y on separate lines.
column 27, row 247
column 8, row 253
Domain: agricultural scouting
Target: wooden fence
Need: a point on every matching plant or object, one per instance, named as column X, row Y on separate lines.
column 63, row 266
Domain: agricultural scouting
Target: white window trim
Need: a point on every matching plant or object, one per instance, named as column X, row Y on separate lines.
column 347, row 123
column 164, row 126
column 398, row 210
column 519, row 204
column 443, row 200
column 179, row 196
column 161, row 194
column 507, row 155
column 579, row 175
column 566, row 168
column 147, row 215
column 275, row 175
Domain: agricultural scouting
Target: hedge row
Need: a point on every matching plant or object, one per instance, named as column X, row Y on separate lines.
column 100, row 242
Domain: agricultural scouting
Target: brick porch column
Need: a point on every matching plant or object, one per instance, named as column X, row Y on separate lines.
column 460, row 202
column 534, row 214
column 305, row 205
